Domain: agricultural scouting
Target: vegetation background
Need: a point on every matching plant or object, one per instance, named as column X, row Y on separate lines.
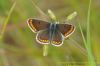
column 17, row 42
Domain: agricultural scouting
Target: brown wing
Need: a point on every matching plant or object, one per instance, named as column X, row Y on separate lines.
column 66, row 29
column 42, row 37
column 37, row 25
column 57, row 39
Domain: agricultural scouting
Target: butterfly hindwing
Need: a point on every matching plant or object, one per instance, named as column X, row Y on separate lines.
column 57, row 39
column 66, row 29
column 37, row 25
column 42, row 37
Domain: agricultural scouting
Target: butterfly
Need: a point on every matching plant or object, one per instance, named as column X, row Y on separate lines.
column 50, row 33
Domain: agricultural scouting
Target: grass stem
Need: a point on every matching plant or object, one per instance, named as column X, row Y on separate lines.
column 6, row 21
column 89, row 49
column 88, row 41
column 45, row 50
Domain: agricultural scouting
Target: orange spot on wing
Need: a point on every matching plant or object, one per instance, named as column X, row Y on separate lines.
column 44, row 41
column 32, row 26
column 54, row 42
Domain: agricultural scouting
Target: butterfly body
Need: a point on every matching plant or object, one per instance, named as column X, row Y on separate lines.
column 50, row 33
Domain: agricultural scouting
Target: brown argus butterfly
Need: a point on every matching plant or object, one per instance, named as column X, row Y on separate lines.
column 47, row 33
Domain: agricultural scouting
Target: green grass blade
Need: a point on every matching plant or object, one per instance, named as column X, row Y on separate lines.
column 71, row 16
column 2, row 51
column 88, row 42
column 84, row 40
column 51, row 15
column 6, row 21
column 88, row 24
column 45, row 17
column 89, row 49
column 45, row 50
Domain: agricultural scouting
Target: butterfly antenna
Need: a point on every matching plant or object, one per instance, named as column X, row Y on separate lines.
column 44, row 16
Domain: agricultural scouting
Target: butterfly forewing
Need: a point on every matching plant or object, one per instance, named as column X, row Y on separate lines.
column 37, row 25
column 43, row 37
column 66, row 29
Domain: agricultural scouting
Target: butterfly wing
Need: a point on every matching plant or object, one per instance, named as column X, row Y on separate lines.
column 66, row 29
column 42, row 37
column 37, row 25
column 57, row 38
